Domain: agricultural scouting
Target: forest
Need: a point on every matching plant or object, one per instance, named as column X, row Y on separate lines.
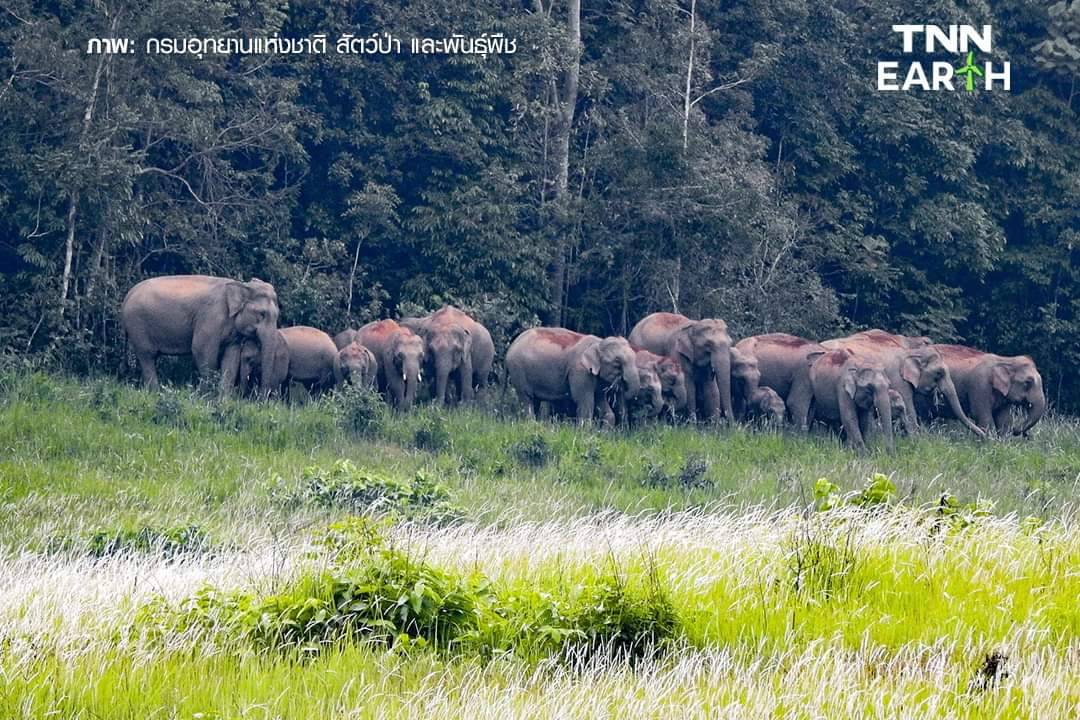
column 718, row 159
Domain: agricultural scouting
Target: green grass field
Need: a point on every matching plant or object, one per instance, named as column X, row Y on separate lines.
column 170, row 556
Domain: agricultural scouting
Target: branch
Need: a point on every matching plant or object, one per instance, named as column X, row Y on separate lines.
column 719, row 88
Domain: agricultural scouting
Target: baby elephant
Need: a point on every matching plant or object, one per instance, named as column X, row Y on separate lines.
column 358, row 365
column 766, row 404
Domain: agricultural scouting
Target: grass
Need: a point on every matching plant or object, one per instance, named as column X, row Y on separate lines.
column 120, row 506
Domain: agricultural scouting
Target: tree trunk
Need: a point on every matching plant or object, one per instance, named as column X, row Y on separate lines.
column 566, row 108
column 687, row 104
column 73, row 198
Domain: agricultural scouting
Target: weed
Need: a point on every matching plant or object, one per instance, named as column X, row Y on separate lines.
column 532, row 451
column 432, row 435
column 360, row 410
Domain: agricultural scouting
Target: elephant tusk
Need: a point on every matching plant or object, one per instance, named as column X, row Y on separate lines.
column 420, row 376
column 404, row 377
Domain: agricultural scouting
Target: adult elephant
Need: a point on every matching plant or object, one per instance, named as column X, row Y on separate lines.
column 913, row 367
column 448, row 348
column 702, row 348
column 358, row 365
column 198, row 315
column 558, row 365
column 482, row 346
column 989, row 386
column 400, row 355
column 849, row 388
column 783, row 362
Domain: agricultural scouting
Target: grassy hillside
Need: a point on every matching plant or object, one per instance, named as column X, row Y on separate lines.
column 168, row 555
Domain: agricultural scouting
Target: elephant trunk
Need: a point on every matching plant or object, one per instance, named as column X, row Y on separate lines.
column 721, row 365
column 679, row 394
column 412, row 382
column 268, row 340
column 948, row 389
column 884, row 411
column 1037, row 401
column 631, row 379
column 443, row 368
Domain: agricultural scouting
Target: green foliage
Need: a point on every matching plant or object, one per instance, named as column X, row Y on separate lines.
column 432, row 435
column 825, row 494
column 691, row 475
column 343, row 485
column 879, row 491
column 532, row 451
column 360, row 411
column 167, row 541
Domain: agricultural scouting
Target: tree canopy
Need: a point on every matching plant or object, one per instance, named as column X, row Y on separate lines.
column 724, row 159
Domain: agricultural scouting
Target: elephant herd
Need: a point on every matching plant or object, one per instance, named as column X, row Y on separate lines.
column 669, row 363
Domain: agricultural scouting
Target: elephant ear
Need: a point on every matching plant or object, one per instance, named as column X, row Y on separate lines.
column 911, row 369
column 236, row 295
column 590, row 359
column 684, row 345
column 848, row 383
column 1001, row 378
column 811, row 357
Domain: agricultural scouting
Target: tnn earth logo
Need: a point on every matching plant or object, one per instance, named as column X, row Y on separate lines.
column 963, row 40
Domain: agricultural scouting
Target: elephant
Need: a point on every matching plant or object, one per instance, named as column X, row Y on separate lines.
column 400, row 356
column 558, row 365
column 649, row 401
column 849, row 387
column 765, row 404
column 198, row 315
column 702, row 348
column 745, row 379
column 913, row 367
column 672, row 377
column 448, row 348
column 483, row 348
column 358, row 365
column 248, row 360
column 989, row 385
column 313, row 358
column 783, row 362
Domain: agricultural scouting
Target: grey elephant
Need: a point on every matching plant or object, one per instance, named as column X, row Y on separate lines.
column 313, row 358
column 558, row 366
column 481, row 344
column 672, row 377
column 783, row 362
column 745, row 379
column 400, row 356
column 913, row 367
column 989, row 386
column 850, row 388
column 198, row 315
column 702, row 348
column 249, row 359
column 448, row 349
column 649, row 401
column 358, row 365
column 765, row 404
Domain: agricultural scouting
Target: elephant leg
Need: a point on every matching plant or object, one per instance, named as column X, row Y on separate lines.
column 1003, row 419
column 583, row 392
column 710, row 395
column 230, row 368
column 148, row 368
column 910, row 419
column 849, row 418
column 982, row 412
column 799, row 399
column 866, row 424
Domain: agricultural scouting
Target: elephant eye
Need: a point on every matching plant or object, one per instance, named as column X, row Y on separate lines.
column 1029, row 382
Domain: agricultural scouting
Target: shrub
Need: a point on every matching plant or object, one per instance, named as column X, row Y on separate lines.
column 360, row 410
column 432, row 435
column 691, row 475
column 533, row 451
column 346, row 486
column 820, row 565
column 168, row 541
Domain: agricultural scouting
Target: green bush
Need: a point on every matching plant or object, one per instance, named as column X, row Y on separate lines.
column 533, row 451
column 432, row 435
column 360, row 410
column 344, row 485
column 691, row 476
column 168, row 541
